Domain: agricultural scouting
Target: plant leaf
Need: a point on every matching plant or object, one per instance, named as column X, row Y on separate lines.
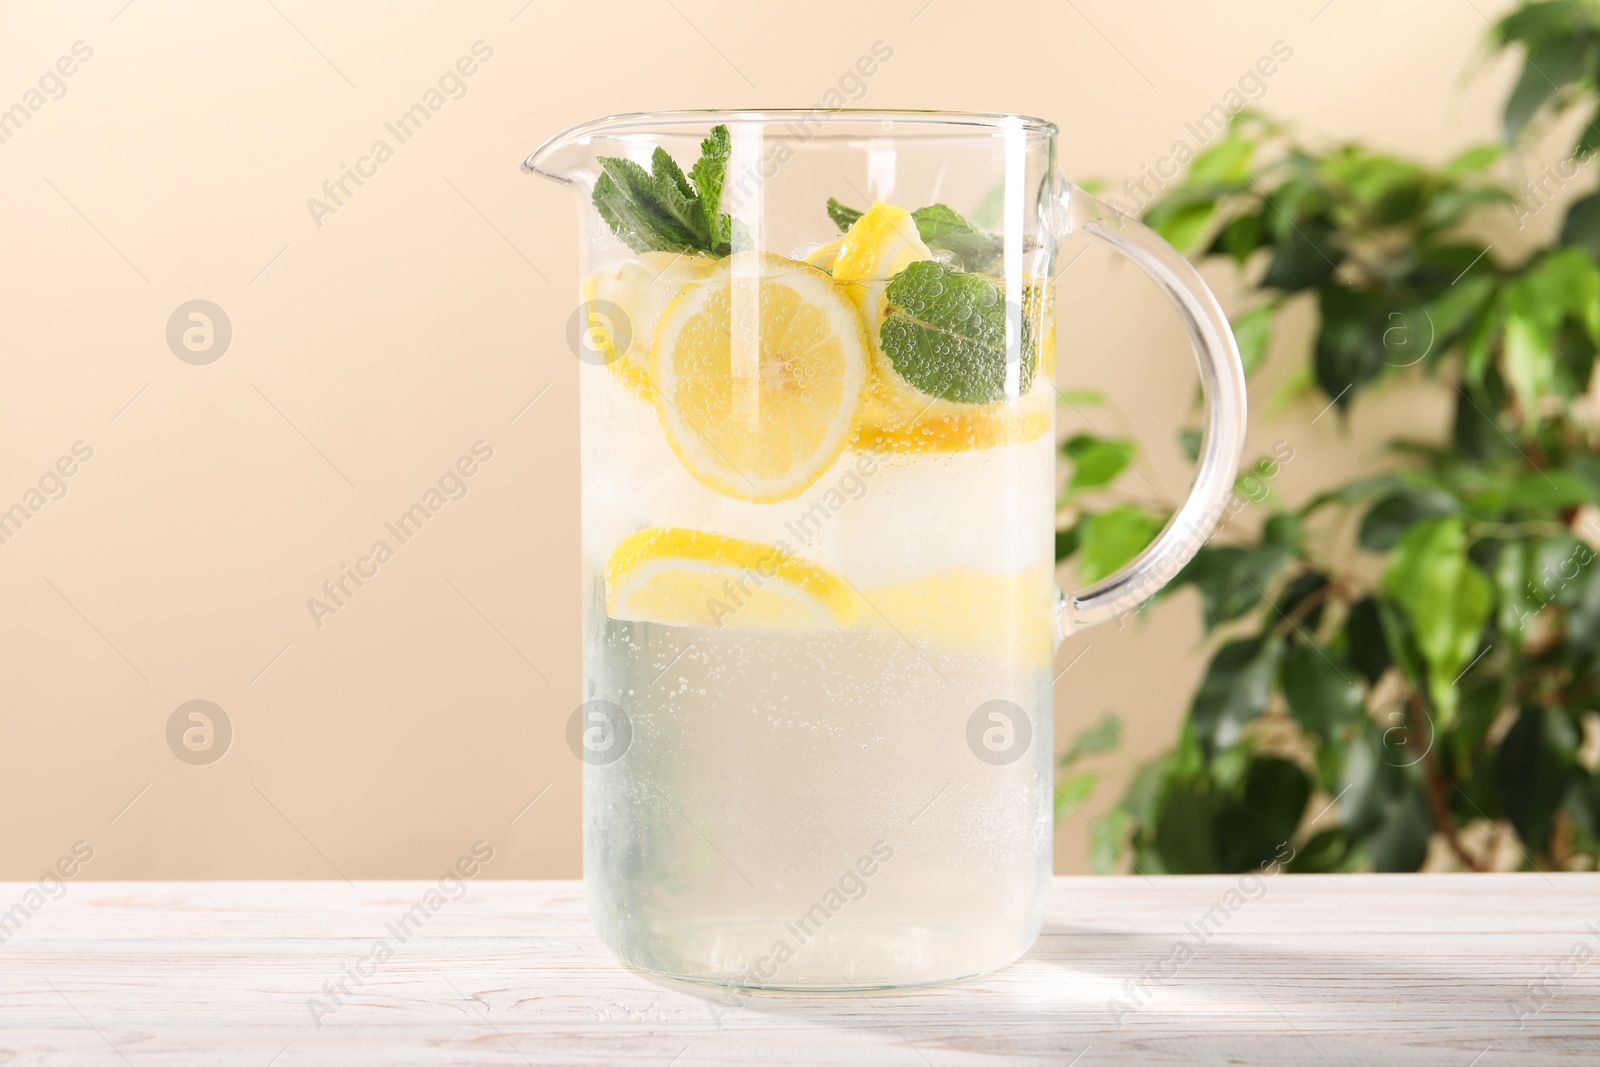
column 1240, row 238
column 1080, row 397
column 1251, row 829
column 1093, row 740
column 1096, row 460
column 1228, row 161
column 1324, row 853
column 1181, row 219
column 1364, row 637
column 1535, row 765
column 1113, row 537
column 1104, row 849
column 1396, row 511
column 1322, row 696
column 1073, row 790
column 1472, row 160
column 1548, row 66
column 1297, row 592
column 1444, row 597
column 1581, row 227
column 1185, row 829
column 1233, row 579
column 1234, row 690
column 1253, row 332
column 1067, row 542
column 1305, row 259
column 1349, row 350
column 1382, row 803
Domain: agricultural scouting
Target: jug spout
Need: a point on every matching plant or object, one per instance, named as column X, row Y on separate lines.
column 563, row 157
column 571, row 157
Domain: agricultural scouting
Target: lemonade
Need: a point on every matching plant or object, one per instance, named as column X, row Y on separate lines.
column 820, row 604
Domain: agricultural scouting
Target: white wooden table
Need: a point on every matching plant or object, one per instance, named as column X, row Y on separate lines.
column 1424, row 969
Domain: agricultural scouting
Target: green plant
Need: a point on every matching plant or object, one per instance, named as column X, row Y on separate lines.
column 1437, row 674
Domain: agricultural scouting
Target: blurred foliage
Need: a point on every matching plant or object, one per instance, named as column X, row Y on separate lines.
column 1414, row 655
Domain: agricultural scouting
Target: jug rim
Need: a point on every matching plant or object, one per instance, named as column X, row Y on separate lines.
column 915, row 116
column 815, row 120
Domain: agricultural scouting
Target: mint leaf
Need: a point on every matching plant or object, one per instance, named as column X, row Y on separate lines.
column 668, row 174
column 943, row 227
column 629, row 199
column 708, row 174
column 663, row 210
column 842, row 216
column 946, row 334
column 676, row 195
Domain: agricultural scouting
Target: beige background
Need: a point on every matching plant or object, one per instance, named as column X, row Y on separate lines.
column 371, row 351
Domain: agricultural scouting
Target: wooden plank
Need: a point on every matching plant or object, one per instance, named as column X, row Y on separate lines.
column 1295, row 970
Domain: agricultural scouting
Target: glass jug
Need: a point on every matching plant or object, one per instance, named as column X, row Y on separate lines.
column 818, row 505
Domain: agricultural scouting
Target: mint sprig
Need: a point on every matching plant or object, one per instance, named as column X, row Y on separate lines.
column 842, row 215
column 709, row 173
column 945, row 228
column 945, row 333
column 662, row 210
column 942, row 228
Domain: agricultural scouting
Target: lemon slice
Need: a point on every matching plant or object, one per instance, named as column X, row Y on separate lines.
column 642, row 287
column 946, row 427
column 823, row 257
column 1006, row 617
column 693, row 578
column 758, row 371
column 876, row 247
column 898, row 418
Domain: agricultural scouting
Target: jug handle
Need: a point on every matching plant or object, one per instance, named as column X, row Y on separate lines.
column 1222, row 383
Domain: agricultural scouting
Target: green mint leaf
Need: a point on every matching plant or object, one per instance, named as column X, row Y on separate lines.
column 941, row 228
column 676, row 196
column 843, row 217
column 709, row 174
column 946, row 334
column 662, row 209
column 627, row 197
column 738, row 240
column 666, row 172
column 944, row 228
